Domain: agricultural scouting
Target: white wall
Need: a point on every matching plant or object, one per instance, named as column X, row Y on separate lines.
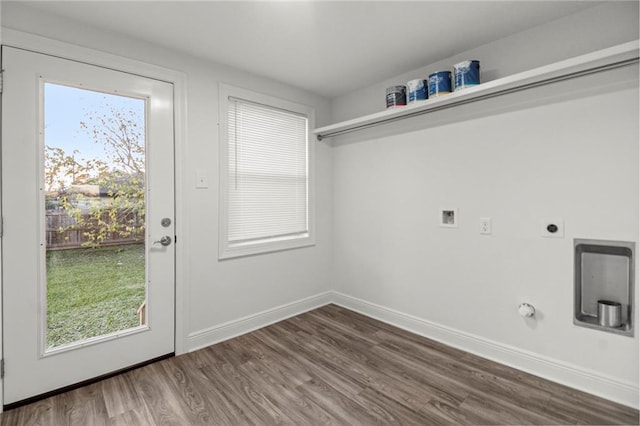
column 569, row 150
column 217, row 292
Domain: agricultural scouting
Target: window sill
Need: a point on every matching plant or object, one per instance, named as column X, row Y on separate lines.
column 231, row 251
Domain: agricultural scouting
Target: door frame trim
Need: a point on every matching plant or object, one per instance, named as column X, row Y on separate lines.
column 43, row 45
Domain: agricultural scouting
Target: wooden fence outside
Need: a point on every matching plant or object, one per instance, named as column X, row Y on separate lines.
column 63, row 233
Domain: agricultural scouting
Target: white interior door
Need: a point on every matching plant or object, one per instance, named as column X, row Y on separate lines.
column 88, row 205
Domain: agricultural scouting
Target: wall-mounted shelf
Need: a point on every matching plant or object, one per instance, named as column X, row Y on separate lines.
column 601, row 60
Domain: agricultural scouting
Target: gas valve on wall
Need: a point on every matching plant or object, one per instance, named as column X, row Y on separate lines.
column 526, row 310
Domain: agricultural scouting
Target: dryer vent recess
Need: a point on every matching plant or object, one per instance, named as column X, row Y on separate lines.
column 604, row 285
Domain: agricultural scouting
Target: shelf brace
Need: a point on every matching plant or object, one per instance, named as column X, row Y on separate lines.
column 515, row 89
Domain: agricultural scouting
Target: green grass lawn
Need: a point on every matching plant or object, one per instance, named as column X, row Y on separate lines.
column 93, row 291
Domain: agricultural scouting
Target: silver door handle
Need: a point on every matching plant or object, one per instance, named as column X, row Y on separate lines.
column 165, row 241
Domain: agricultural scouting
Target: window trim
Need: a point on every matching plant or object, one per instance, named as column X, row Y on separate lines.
column 227, row 250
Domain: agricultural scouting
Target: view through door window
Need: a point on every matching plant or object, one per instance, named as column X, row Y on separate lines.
column 94, row 208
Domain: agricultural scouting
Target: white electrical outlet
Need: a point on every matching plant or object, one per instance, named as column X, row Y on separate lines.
column 552, row 227
column 485, row 225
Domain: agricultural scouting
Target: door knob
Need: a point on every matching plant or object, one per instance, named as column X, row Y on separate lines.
column 165, row 241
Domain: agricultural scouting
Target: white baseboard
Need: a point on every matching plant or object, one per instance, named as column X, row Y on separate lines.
column 551, row 369
column 557, row 371
column 212, row 335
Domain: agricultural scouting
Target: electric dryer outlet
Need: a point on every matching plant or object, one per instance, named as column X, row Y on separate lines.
column 552, row 227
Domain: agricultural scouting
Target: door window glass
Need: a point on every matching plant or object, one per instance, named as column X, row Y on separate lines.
column 94, row 214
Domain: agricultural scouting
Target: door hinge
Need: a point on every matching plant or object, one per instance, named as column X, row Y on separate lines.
column 1, row 368
column 1, row 81
column 1, row 227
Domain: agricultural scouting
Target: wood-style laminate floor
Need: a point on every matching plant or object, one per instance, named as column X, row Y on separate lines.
column 327, row 366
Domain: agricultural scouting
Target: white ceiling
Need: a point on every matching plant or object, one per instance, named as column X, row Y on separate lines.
column 324, row 47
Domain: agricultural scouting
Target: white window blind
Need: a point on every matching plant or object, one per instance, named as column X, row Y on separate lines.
column 267, row 180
